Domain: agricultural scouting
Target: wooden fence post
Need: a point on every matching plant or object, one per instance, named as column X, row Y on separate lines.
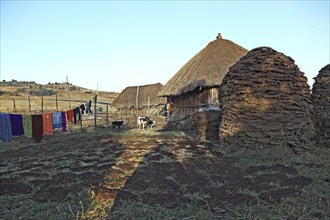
column 42, row 104
column 107, row 119
column 69, row 101
column 137, row 101
column 56, row 103
column 29, row 104
column 14, row 106
column 125, row 117
column 95, row 97
column 148, row 112
column 81, row 122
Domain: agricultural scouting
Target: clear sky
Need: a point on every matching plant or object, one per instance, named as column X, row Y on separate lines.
column 129, row 43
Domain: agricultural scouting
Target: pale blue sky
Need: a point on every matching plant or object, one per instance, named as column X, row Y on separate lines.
column 129, row 43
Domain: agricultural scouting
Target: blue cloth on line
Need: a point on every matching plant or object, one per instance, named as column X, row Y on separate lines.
column 5, row 127
column 16, row 124
column 57, row 119
column 63, row 122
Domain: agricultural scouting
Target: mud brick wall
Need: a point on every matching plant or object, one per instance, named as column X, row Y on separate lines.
column 320, row 98
column 206, row 124
column 266, row 106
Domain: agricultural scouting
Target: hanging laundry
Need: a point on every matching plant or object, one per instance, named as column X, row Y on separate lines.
column 88, row 106
column 82, row 108
column 76, row 112
column 37, row 127
column 47, row 123
column 16, row 124
column 69, row 115
column 27, row 125
column 5, row 127
column 57, row 119
column 63, row 121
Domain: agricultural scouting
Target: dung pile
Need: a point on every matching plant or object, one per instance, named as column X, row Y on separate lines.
column 206, row 124
column 266, row 106
column 321, row 104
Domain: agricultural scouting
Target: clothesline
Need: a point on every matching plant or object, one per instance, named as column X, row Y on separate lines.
column 37, row 125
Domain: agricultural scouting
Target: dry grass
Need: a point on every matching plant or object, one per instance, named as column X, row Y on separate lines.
column 19, row 93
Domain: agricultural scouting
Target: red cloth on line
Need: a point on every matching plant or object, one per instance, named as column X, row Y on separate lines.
column 47, row 123
column 69, row 115
column 37, row 128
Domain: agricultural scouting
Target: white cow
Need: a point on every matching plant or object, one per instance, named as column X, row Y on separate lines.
column 144, row 122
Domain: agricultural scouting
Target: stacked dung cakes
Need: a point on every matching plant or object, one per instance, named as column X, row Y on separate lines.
column 207, row 125
column 321, row 104
column 266, row 106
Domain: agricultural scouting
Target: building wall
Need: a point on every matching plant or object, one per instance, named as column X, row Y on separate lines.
column 187, row 104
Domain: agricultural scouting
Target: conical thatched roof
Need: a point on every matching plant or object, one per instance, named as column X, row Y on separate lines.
column 266, row 106
column 205, row 69
column 321, row 104
column 127, row 98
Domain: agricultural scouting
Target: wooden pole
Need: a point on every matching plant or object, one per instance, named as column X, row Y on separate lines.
column 56, row 103
column 29, row 104
column 107, row 119
column 69, row 101
column 14, row 105
column 125, row 117
column 148, row 105
column 81, row 122
column 95, row 97
column 42, row 104
column 137, row 101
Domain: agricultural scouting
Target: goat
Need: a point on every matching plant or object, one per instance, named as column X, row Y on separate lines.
column 116, row 125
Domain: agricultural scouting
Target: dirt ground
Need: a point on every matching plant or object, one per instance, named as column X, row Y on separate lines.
column 155, row 175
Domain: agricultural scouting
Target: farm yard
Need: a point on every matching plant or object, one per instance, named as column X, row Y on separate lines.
column 156, row 175
column 253, row 144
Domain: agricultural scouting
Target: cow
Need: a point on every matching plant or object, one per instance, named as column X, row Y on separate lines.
column 144, row 122
column 116, row 125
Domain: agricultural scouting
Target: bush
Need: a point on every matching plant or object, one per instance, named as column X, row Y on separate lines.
column 42, row 92
column 73, row 88
column 21, row 90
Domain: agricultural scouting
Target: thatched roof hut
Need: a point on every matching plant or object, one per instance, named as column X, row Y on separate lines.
column 206, row 69
column 195, row 86
column 320, row 98
column 266, row 106
column 147, row 95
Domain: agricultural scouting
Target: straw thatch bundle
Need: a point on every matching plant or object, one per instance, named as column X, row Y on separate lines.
column 320, row 98
column 266, row 106
column 206, row 124
column 127, row 98
column 206, row 69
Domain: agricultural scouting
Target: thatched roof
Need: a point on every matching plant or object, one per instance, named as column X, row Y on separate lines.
column 206, row 69
column 127, row 98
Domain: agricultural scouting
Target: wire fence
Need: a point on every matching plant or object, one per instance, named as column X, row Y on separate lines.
column 102, row 116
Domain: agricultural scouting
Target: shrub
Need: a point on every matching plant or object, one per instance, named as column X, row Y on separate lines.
column 42, row 92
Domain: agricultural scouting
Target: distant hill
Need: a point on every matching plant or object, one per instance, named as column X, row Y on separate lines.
column 21, row 91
